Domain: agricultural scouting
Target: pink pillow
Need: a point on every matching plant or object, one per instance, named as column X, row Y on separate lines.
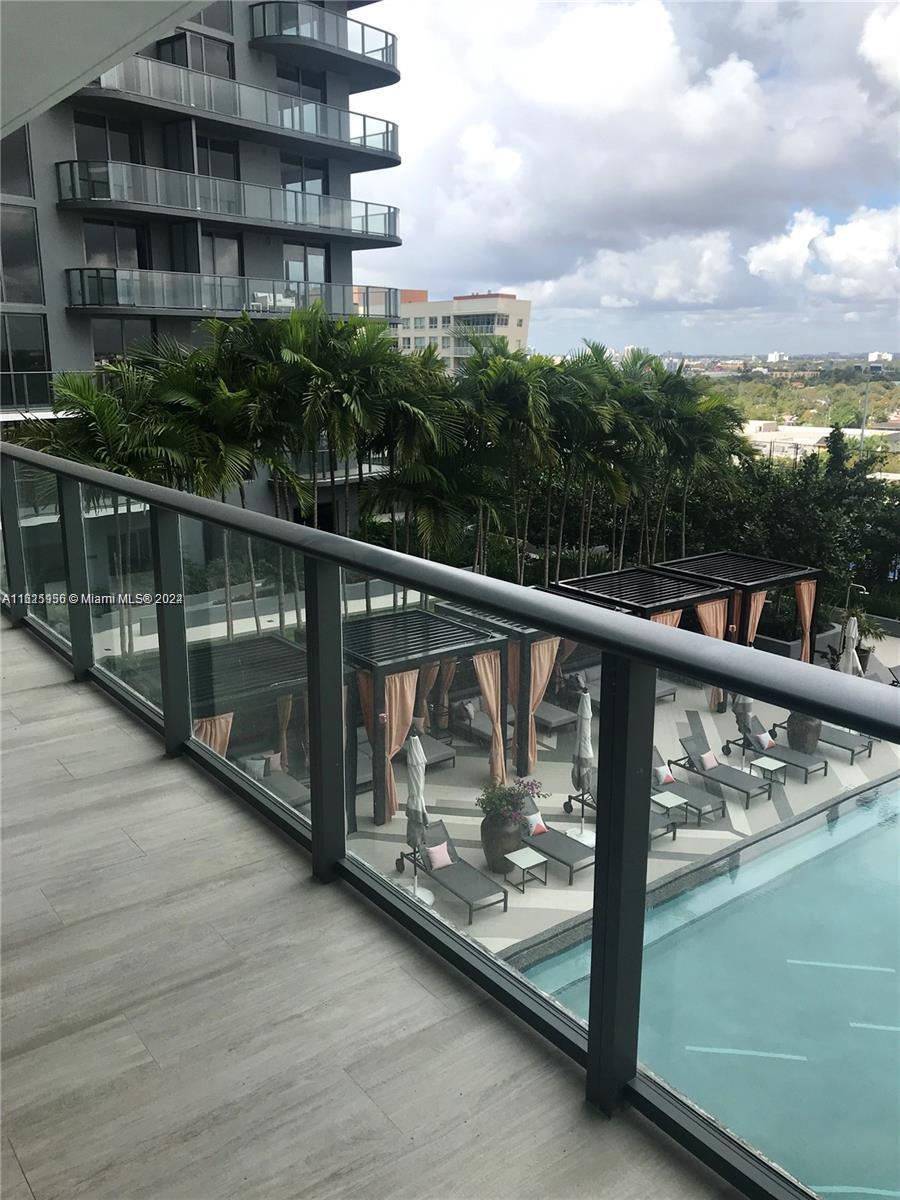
column 763, row 741
column 663, row 775
column 536, row 824
column 439, row 856
column 708, row 761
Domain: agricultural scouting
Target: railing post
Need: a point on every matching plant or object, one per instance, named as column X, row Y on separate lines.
column 16, row 581
column 627, row 703
column 168, row 577
column 71, row 528
column 325, row 662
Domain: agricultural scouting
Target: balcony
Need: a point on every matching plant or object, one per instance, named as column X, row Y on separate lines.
column 23, row 391
column 325, row 41
column 370, row 143
column 126, row 187
column 733, row 975
column 182, row 293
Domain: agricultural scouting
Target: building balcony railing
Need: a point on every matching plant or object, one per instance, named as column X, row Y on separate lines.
column 130, row 183
column 110, row 287
column 147, row 77
column 701, row 945
column 311, row 23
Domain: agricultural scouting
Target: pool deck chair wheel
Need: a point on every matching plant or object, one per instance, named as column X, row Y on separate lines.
column 749, row 786
column 809, row 764
column 842, row 739
column 475, row 889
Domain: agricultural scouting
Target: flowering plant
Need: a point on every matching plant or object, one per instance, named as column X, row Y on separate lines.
column 507, row 800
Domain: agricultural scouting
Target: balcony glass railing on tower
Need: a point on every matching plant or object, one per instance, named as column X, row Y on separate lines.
column 102, row 287
column 130, row 183
column 227, row 98
column 316, row 24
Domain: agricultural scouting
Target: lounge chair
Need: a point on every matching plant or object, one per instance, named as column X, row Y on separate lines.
column 659, row 827
column 695, row 799
column 436, row 752
column 895, row 676
column 475, row 889
column 474, row 724
column 748, row 785
column 288, row 789
column 590, row 680
column 854, row 743
column 809, row 764
column 552, row 718
column 568, row 852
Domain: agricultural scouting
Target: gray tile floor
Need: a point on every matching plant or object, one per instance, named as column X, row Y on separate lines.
column 187, row 1016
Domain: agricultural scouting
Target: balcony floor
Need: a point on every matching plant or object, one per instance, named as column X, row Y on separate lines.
column 187, row 1016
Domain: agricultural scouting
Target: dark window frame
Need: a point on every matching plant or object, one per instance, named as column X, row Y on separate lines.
column 143, row 242
column 122, row 323
column 202, row 17
column 235, row 153
column 85, row 116
column 306, row 247
column 222, row 234
column 25, row 208
column 29, row 171
column 9, row 373
column 189, row 38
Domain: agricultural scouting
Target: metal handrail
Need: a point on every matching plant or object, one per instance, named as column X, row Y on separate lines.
column 102, row 180
column 320, row 25
column 843, row 698
column 184, row 86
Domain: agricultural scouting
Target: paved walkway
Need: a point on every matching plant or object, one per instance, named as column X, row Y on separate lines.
column 186, row 1016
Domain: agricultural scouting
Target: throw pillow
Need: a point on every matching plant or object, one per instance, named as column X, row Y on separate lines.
column 763, row 740
column 536, row 824
column 708, row 761
column 663, row 775
column 439, row 856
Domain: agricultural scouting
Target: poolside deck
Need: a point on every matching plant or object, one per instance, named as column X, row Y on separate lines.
column 188, row 1017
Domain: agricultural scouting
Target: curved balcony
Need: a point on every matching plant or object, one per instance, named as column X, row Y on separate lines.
column 326, row 41
column 369, row 142
column 120, row 186
column 177, row 293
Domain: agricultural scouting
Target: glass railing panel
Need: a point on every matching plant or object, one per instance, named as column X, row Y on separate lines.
column 310, row 21
column 245, row 613
column 771, row 974
column 45, row 573
column 122, row 590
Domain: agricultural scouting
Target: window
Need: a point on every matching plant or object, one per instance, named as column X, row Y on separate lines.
column 23, row 356
column 114, row 337
column 404, row 322
column 216, row 16
column 15, row 169
column 406, row 343
column 220, row 255
column 519, row 322
column 445, row 343
column 199, row 52
column 446, row 322
column 304, row 174
column 217, row 158
column 304, row 264
column 107, row 140
column 501, row 318
column 308, row 85
column 432, row 341
column 419, row 322
column 20, row 268
column 115, row 244
column 420, row 342
column 432, row 323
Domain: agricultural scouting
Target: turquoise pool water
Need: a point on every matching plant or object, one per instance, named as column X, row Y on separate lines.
column 771, row 999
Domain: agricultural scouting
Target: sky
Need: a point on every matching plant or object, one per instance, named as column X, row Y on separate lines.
column 696, row 178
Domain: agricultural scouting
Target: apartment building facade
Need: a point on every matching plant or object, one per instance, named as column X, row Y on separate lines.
column 444, row 324
column 208, row 175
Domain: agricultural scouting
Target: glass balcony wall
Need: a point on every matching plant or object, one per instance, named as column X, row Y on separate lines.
column 225, row 97
column 317, row 24
column 45, row 572
column 133, row 184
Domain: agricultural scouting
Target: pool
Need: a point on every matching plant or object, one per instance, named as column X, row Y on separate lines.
column 771, row 999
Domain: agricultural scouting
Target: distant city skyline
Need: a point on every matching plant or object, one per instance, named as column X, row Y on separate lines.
column 710, row 176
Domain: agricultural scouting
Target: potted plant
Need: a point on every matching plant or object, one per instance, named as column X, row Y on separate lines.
column 869, row 633
column 503, row 805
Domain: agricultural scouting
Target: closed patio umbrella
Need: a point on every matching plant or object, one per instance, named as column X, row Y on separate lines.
column 416, row 812
column 583, row 763
column 742, row 707
column 849, row 661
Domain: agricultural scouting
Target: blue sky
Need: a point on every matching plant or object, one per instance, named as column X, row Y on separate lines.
column 705, row 177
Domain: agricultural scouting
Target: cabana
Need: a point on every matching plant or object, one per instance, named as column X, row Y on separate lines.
column 398, row 658
column 532, row 656
column 751, row 579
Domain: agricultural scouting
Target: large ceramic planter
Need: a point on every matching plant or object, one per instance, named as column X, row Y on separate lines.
column 803, row 732
column 499, row 837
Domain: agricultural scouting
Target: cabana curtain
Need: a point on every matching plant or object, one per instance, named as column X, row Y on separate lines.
column 399, row 701
column 285, row 706
column 805, row 595
column 487, row 672
column 446, row 675
column 672, row 617
column 427, row 676
column 756, row 604
column 713, row 619
column 215, row 732
column 544, row 661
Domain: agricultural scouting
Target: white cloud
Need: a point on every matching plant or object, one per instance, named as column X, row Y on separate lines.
column 880, row 44
column 788, row 255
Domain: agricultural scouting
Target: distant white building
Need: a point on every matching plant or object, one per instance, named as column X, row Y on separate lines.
column 776, row 356
column 774, row 440
column 880, row 356
column 440, row 323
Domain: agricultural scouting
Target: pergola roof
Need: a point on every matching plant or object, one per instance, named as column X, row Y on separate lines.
column 223, row 673
column 641, row 590
column 513, row 629
column 745, row 572
column 409, row 637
